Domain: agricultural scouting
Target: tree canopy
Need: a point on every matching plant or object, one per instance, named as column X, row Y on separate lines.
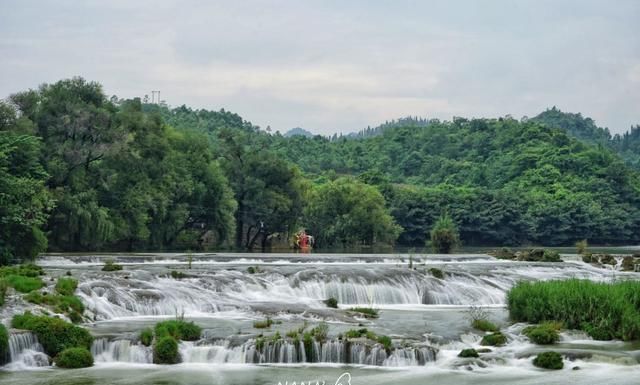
column 80, row 171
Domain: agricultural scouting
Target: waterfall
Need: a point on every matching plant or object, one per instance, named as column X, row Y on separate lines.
column 269, row 352
column 25, row 351
column 104, row 350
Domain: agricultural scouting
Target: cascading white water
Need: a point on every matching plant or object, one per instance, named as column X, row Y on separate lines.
column 153, row 295
column 279, row 352
column 26, row 352
column 104, row 350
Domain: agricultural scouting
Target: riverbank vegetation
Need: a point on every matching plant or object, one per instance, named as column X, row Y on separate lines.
column 81, row 171
column 56, row 335
column 603, row 310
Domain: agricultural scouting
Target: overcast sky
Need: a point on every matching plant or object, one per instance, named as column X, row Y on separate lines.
column 338, row 66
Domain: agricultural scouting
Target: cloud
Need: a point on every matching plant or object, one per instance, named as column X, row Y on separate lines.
column 338, row 66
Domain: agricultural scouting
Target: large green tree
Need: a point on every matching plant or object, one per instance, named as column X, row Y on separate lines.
column 347, row 212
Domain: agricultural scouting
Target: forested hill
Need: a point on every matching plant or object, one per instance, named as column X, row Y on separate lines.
column 626, row 145
column 79, row 171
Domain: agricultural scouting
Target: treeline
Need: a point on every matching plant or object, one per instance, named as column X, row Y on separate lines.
column 80, row 171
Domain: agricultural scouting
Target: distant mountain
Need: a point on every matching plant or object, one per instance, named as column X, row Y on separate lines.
column 297, row 131
column 585, row 129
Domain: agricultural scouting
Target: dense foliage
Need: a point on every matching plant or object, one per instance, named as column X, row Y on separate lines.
column 549, row 360
column 73, row 358
column 165, row 351
column 178, row 329
column 603, row 310
column 626, row 145
column 80, row 171
column 4, row 345
column 348, row 212
column 544, row 334
column 54, row 334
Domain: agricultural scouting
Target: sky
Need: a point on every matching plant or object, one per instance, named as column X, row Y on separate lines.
column 338, row 66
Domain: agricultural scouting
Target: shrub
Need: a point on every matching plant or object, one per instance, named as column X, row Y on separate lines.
column 178, row 329
column 436, row 273
column 494, row 339
column 484, row 325
column 66, row 286
column 356, row 333
column 581, row 247
column 165, row 351
column 24, row 284
column 468, row 353
column 444, row 235
column 110, row 265
column 367, row 312
column 178, row 274
column 73, row 358
column 54, row 334
column 146, row 337
column 551, row 256
column 253, row 270
column 320, row 332
column 549, row 360
column 4, row 345
column 263, row 324
column 331, row 302
column 544, row 334
column 603, row 310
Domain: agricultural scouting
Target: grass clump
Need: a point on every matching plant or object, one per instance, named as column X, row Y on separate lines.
column 66, row 286
column 265, row 324
column 543, row 334
column 146, row 337
column 494, row 339
column 178, row 329
column 484, row 325
column 24, row 284
column 111, row 265
column 603, row 310
column 549, row 360
column 254, row 270
column 468, row 353
column 73, row 358
column 331, row 302
column 54, row 334
column 436, row 273
column 367, row 312
column 383, row 340
column 165, row 351
column 63, row 304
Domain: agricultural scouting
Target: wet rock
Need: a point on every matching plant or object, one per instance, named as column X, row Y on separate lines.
column 575, row 368
column 504, row 253
column 484, row 350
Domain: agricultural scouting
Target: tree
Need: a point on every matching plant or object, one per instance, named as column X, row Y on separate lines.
column 444, row 235
column 267, row 188
column 349, row 213
column 24, row 200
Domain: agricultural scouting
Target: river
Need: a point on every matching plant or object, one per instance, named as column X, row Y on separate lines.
column 426, row 317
